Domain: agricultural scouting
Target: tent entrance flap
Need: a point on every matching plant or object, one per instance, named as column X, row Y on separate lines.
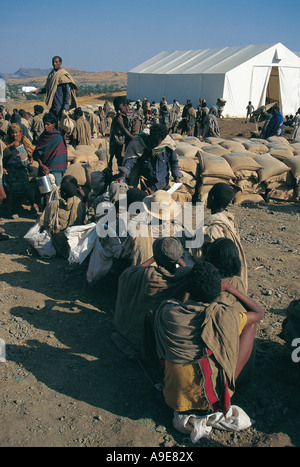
column 259, row 84
column 273, row 94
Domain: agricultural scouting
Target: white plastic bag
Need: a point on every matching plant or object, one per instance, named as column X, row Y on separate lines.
column 40, row 241
column 81, row 239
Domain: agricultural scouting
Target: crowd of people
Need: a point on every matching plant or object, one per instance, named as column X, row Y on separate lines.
column 183, row 312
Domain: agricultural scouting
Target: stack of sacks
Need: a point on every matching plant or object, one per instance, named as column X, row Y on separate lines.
column 275, row 177
column 280, row 151
column 212, row 169
column 246, row 184
column 77, row 170
column 294, row 164
column 188, row 167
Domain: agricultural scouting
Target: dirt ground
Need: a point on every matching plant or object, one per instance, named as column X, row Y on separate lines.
column 64, row 383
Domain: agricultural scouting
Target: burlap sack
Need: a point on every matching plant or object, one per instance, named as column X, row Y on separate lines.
column 99, row 143
column 214, row 166
column 281, row 153
column 77, row 170
column 85, row 157
column 176, row 136
column 246, row 175
column 186, row 150
column 277, row 139
column 102, row 154
column 202, row 192
column 294, row 164
column 240, row 161
column 187, row 165
column 213, row 139
column 85, row 148
column 232, row 146
column 282, row 194
column 215, row 149
column 204, row 180
column 270, row 166
column 241, row 198
column 188, row 179
column 93, row 167
column 256, row 147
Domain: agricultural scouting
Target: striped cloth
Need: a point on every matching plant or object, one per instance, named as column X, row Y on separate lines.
column 51, row 149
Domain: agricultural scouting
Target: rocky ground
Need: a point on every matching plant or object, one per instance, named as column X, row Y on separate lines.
column 64, row 383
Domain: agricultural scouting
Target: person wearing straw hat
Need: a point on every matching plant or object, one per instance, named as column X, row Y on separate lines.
column 160, row 216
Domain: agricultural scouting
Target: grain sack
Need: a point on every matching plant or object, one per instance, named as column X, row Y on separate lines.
column 246, row 175
column 256, row 147
column 94, row 168
column 240, row 161
column 188, row 179
column 247, row 186
column 270, row 166
column 259, row 140
column 85, row 157
column 203, row 191
column 281, row 153
column 215, row 149
column 187, row 165
column 66, row 124
column 213, row 140
column 102, row 154
column 232, row 146
column 241, row 198
column 199, row 144
column 78, row 171
column 183, row 194
column 278, row 139
column 281, row 194
column 203, row 180
column 85, row 148
column 176, row 136
column 295, row 146
column 214, row 166
column 99, row 143
column 294, row 164
column 190, row 139
column 186, row 150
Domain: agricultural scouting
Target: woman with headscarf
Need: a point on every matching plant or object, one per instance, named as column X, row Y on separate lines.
column 64, row 209
column 17, row 159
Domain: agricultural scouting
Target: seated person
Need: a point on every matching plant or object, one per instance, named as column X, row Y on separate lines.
column 221, row 223
column 17, row 159
column 160, row 216
column 200, row 341
column 64, row 209
column 142, row 288
column 150, row 158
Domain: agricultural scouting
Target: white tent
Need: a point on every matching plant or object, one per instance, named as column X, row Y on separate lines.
column 2, row 90
column 256, row 73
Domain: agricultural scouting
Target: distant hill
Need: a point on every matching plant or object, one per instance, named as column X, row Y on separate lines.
column 37, row 77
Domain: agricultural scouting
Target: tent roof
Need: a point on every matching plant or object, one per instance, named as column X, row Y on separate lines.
column 200, row 61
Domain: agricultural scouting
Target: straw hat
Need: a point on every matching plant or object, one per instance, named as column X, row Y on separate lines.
column 162, row 206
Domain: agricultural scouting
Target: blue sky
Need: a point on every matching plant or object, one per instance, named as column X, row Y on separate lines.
column 118, row 35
